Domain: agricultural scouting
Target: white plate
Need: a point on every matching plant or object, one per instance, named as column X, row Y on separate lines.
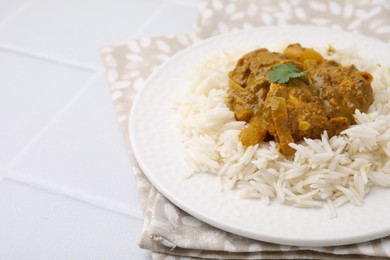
column 156, row 145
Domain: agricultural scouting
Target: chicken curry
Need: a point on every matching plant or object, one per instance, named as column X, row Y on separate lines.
column 303, row 107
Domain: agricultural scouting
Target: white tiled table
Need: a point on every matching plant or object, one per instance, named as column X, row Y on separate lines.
column 66, row 189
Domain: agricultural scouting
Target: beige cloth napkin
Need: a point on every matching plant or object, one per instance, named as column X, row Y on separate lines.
column 168, row 231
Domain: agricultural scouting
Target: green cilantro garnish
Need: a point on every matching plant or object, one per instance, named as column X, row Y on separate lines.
column 284, row 72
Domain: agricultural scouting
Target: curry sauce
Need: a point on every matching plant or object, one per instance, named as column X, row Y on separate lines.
column 302, row 107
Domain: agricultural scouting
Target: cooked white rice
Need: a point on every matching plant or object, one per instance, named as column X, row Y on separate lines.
column 324, row 173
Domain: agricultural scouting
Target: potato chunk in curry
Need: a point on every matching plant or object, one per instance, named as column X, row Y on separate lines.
column 302, row 107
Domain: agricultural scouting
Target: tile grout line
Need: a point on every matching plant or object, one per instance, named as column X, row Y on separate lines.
column 73, row 195
column 52, row 121
column 41, row 56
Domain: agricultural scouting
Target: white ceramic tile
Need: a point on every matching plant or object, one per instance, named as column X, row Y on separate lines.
column 39, row 225
column 83, row 154
column 75, row 30
column 33, row 91
column 171, row 19
column 11, row 8
column 194, row 3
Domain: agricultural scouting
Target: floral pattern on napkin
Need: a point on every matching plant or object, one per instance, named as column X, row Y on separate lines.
column 370, row 18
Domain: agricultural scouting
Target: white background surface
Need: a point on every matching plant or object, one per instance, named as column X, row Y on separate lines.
column 66, row 189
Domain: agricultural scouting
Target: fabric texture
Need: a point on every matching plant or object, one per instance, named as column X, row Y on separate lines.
column 172, row 233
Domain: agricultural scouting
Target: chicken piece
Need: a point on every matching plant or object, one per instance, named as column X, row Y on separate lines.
column 248, row 88
column 243, row 102
column 251, row 70
column 305, row 113
column 280, row 124
column 343, row 90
